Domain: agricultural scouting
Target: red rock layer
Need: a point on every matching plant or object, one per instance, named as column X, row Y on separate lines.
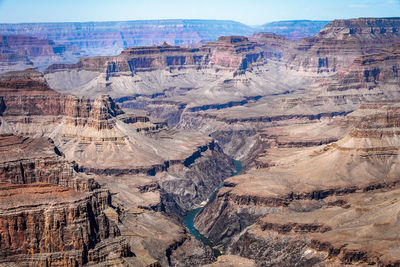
column 26, row 93
column 26, row 160
column 42, row 223
column 49, row 214
column 367, row 72
column 234, row 53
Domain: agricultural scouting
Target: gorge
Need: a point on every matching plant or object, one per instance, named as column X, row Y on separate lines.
column 242, row 149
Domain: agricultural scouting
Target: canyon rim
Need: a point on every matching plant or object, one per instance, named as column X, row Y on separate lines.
column 200, row 142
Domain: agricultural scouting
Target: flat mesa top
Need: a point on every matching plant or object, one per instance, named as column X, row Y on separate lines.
column 17, row 147
column 16, row 196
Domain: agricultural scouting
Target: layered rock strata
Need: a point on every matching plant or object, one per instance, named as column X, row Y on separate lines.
column 18, row 52
column 49, row 214
column 53, row 225
column 295, row 213
column 231, row 53
column 109, row 38
column 83, row 129
column 342, row 41
column 25, row 161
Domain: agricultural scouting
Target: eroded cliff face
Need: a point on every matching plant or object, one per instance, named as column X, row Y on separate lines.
column 161, row 173
column 18, row 52
column 371, row 72
column 313, row 203
column 49, row 214
column 25, row 160
column 233, row 53
column 68, row 232
column 370, row 77
column 340, row 42
column 274, row 80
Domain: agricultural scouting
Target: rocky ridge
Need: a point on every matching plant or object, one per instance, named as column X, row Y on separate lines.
column 161, row 173
column 18, row 52
column 278, row 214
column 282, row 128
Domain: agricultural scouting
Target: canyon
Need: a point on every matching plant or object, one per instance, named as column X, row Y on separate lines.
column 39, row 45
column 104, row 160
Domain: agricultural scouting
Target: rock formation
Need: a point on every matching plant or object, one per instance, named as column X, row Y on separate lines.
column 50, row 214
column 25, row 160
column 340, row 42
column 229, row 53
column 18, row 52
column 314, row 122
column 297, row 213
column 180, row 170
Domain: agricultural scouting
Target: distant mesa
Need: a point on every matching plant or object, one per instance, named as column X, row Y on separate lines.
column 41, row 44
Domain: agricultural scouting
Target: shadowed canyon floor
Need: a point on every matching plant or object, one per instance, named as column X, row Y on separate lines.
column 101, row 159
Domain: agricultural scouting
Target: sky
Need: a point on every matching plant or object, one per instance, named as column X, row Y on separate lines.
column 250, row 12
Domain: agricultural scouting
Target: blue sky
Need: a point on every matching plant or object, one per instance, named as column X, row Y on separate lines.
column 251, row 12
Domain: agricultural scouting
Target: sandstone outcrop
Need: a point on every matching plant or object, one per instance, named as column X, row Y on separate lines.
column 25, row 161
column 48, row 224
column 375, row 73
column 49, row 214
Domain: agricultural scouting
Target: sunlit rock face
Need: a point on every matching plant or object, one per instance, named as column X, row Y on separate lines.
column 340, row 42
column 48, row 209
column 322, row 196
column 314, row 122
column 171, row 172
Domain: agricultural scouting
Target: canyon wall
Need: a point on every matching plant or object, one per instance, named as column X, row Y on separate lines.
column 288, row 211
column 50, row 214
column 18, row 52
column 109, row 38
column 172, row 171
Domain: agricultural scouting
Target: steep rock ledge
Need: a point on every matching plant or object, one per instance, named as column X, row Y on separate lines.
column 70, row 227
column 294, row 212
column 50, row 214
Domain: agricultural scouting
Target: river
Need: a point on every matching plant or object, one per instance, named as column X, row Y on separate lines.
column 191, row 214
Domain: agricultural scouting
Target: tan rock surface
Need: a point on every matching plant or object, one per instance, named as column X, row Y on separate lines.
column 332, row 202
